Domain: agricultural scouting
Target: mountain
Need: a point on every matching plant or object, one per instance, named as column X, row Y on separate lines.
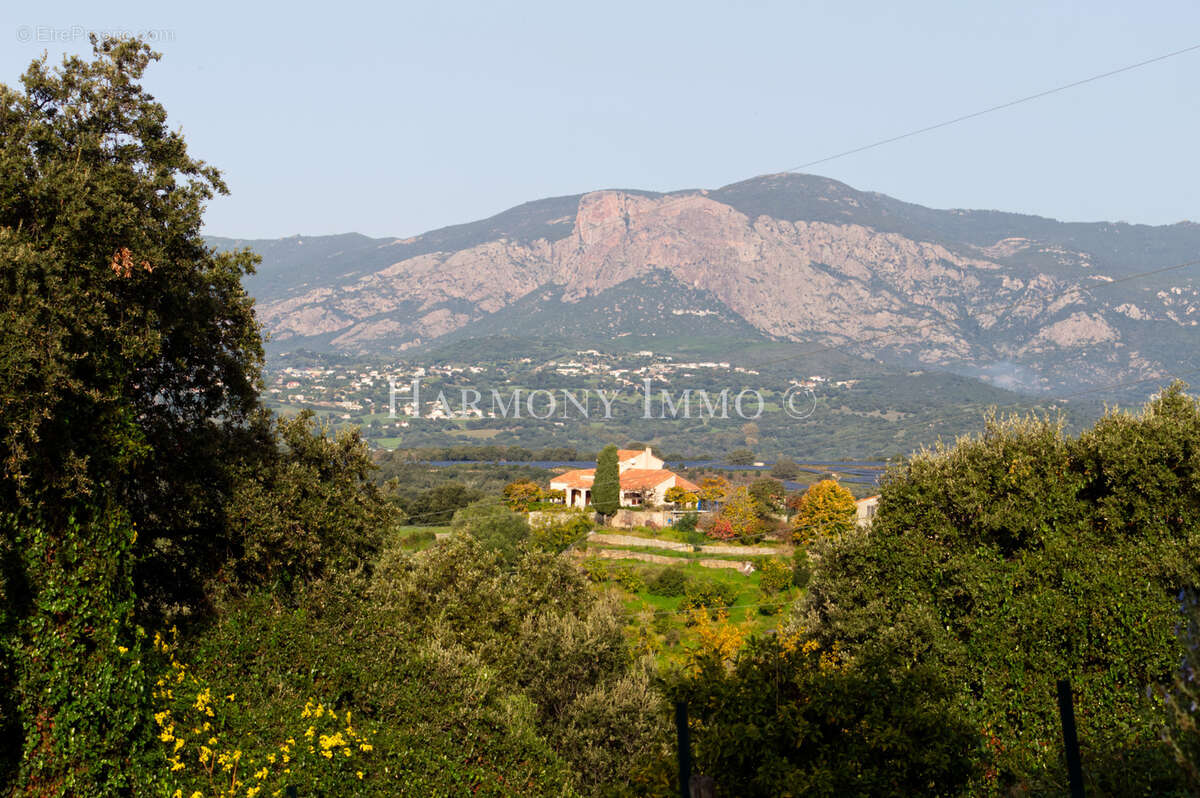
column 1023, row 301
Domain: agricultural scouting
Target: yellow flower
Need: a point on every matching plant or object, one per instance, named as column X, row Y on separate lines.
column 367, row 747
column 262, row 774
column 122, row 649
column 230, row 696
column 359, row 774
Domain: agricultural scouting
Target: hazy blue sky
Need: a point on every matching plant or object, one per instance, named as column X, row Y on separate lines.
column 395, row 118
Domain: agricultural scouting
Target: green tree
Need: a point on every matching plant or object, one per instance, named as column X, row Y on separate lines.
column 305, row 507
column 769, row 493
column 606, row 487
column 826, row 511
column 130, row 349
column 788, row 717
column 496, row 528
column 740, row 457
column 131, row 360
column 785, row 468
column 1020, row 557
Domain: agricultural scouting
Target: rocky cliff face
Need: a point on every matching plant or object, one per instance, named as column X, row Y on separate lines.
column 796, row 257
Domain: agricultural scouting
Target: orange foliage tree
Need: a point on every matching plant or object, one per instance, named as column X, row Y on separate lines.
column 825, row 511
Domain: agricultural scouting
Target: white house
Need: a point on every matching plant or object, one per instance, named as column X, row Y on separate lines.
column 642, row 476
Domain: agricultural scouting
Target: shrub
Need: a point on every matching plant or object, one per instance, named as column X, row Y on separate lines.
column 721, row 529
column 558, row 530
column 627, row 577
column 775, row 575
column 596, row 570
column 495, row 526
column 687, row 522
column 669, row 582
column 707, row 593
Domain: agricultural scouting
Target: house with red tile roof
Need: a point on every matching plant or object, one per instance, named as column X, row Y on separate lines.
column 643, row 480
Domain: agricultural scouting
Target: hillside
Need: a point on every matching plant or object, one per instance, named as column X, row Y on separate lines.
column 1025, row 301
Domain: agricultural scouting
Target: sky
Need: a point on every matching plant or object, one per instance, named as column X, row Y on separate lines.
column 394, row 119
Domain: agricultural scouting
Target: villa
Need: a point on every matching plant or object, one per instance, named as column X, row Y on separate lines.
column 642, row 476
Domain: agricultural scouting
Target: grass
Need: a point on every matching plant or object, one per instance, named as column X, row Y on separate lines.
column 666, row 632
column 416, row 538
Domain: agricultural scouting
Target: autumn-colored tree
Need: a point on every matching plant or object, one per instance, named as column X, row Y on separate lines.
column 741, row 511
column 714, row 489
column 680, row 496
column 826, row 510
column 520, row 494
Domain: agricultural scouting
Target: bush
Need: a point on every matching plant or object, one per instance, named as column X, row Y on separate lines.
column 596, row 570
column 669, row 582
column 707, row 593
column 558, row 530
column 721, row 529
column 775, row 575
column 495, row 526
column 687, row 522
column 785, row 468
column 627, row 577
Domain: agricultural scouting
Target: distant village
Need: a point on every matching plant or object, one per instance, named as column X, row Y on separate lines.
column 350, row 391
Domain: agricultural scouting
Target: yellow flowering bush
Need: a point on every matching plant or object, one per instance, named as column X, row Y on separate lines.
column 203, row 758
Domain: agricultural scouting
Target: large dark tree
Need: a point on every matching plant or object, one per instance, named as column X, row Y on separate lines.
column 129, row 349
column 130, row 359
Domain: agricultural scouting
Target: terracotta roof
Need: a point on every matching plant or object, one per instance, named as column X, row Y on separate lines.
column 579, row 478
column 639, row 478
column 631, row 479
column 628, row 454
column 686, row 484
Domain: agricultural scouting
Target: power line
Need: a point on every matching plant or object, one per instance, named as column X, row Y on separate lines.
column 994, row 108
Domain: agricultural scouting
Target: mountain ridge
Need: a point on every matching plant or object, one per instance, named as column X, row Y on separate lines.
column 796, row 257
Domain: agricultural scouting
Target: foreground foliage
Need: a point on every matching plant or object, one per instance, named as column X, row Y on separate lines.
column 1022, row 557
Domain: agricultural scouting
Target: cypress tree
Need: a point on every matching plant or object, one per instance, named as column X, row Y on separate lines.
column 606, row 490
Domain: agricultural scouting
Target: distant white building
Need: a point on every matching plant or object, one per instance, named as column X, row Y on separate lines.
column 865, row 510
